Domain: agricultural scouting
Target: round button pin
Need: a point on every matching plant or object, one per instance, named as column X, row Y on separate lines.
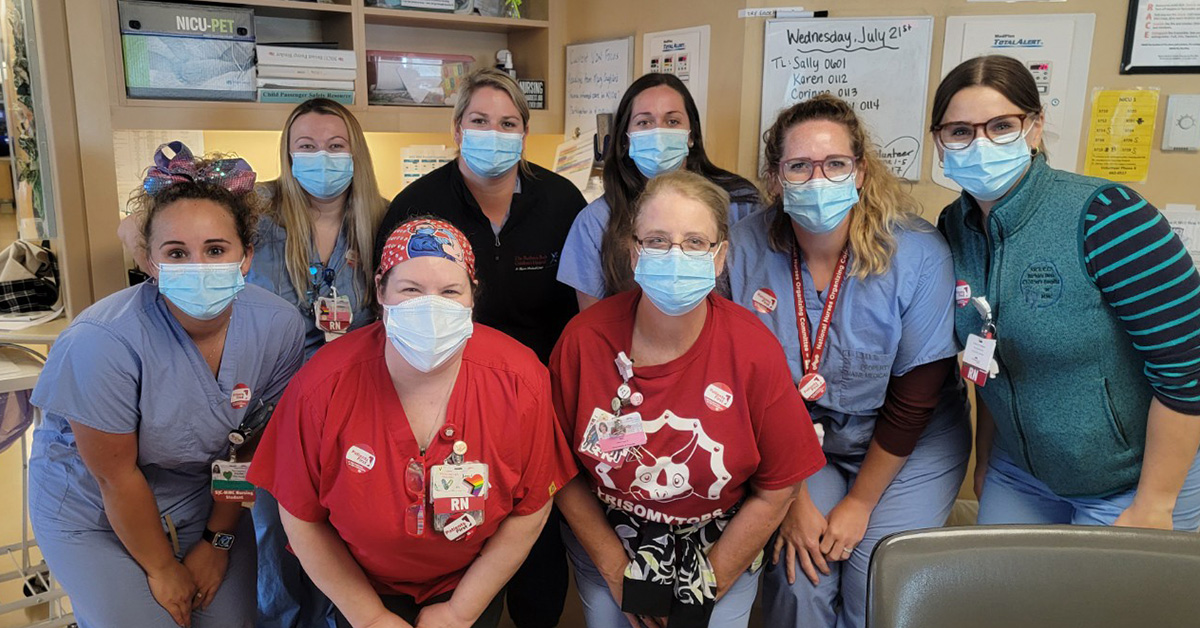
column 636, row 398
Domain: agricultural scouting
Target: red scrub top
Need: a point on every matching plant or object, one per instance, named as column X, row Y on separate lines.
column 338, row 445
column 721, row 417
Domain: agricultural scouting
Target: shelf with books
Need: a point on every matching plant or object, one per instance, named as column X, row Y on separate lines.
column 450, row 21
column 284, row 8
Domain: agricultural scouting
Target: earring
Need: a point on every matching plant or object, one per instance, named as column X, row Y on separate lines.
column 1034, row 151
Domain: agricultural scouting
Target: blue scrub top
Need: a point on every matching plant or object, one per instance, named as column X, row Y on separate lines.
column 268, row 269
column 581, row 266
column 125, row 365
column 883, row 325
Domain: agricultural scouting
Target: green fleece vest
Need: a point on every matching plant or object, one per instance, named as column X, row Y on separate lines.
column 1070, row 402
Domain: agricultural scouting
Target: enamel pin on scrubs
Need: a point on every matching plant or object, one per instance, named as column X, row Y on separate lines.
column 457, row 490
column 812, row 384
column 977, row 357
column 333, row 315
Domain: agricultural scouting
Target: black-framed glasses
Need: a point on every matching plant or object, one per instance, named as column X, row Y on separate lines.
column 836, row 168
column 692, row 246
column 1004, row 129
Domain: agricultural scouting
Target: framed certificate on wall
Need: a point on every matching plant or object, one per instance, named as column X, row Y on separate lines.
column 1162, row 37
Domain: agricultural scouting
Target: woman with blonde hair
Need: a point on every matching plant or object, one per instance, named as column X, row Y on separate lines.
column 860, row 292
column 668, row 520
column 315, row 241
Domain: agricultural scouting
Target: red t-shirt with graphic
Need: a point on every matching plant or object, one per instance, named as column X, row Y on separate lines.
column 338, row 444
column 720, row 418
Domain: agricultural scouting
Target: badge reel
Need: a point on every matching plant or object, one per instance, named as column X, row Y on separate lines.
column 229, row 483
column 610, row 437
column 457, row 490
column 979, row 364
column 333, row 315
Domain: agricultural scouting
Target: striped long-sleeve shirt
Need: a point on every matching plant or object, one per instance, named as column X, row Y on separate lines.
column 1146, row 275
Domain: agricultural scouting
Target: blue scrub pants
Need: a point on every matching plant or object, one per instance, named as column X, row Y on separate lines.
column 600, row 610
column 921, row 496
column 108, row 588
column 1010, row 495
column 287, row 598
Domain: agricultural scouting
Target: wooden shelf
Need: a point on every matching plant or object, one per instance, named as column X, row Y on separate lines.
column 285, row 8
column 450, row 21
column 256, row 116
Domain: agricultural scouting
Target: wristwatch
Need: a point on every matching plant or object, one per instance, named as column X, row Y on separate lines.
column 219, row 540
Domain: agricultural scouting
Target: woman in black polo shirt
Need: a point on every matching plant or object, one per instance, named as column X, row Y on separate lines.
column 516, row 215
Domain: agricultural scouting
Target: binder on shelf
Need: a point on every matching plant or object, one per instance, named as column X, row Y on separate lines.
column 305, row 57
column 186, row 51
column 279, row 83
column 301, row 72
column 345, row 97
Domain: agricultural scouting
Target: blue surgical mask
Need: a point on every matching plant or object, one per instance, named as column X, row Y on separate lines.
column 819, row 205
column 202, row 291
column 323, row 174
column 490, row 154
column 658, row 150
column 676, row 283
column 987, row 170
column 427, row 330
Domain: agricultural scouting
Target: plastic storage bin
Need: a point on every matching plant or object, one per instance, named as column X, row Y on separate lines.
column 187, row 52
column 414, row 78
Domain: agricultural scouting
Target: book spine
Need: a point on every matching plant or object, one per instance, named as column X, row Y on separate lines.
column 301, row 95
column 300, row 72
column 305, row 57
column 305, row 84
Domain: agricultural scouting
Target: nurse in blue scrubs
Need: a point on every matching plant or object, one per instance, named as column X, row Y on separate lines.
column 140, row 395
column 320, row 221
column 656, row 130
column 860, row 292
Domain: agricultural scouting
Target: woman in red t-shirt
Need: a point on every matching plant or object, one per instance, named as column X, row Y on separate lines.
column 681, row 412
column 415, row 459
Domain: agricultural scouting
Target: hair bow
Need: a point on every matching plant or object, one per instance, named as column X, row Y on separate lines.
column 234, row 174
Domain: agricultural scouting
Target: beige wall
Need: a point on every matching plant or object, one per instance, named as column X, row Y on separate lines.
column 735, row 73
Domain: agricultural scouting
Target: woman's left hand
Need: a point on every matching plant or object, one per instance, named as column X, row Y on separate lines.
column 1139, row 516
column 207, row 565
column 442, row 615
column 847, row 526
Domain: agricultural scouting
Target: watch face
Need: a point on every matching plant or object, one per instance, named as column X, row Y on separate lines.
column 223, row 541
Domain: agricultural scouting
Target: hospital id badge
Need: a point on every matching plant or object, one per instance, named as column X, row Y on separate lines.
column 621, row 432
column 333, row 315
column 590, row 445
column 977, row 359
column 229, row 482
column 457, row 489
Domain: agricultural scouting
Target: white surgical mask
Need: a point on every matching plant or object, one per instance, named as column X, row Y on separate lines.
column 428, row 330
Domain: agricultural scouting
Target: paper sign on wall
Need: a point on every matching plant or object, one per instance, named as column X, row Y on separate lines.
column 684, row 53
column 879, row 66
column 1121, row 134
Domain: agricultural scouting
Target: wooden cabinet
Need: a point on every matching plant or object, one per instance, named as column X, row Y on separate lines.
column 102, row 106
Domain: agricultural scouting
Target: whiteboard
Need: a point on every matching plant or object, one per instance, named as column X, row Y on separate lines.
column 878, row 65
column 597, row 75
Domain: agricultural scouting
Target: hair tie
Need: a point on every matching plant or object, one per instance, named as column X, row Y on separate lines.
column 234, row 175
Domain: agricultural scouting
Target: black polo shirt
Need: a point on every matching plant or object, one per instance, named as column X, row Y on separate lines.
column 517, row 269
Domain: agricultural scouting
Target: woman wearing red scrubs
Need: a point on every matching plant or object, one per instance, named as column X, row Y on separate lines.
column 415, row 460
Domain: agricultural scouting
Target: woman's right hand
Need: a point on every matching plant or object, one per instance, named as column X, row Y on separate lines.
column 174, row 588
column 800, row 537
column 615, row 579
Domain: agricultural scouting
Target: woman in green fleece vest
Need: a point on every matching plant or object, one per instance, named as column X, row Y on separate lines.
column 1079, row 313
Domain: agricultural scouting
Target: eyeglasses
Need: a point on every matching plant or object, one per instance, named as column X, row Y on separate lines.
column 693, row 246
column 1004, row 129
column 836, row 168
column 414, row 485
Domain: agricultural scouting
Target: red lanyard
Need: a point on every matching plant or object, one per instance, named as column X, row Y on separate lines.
column 809, row 350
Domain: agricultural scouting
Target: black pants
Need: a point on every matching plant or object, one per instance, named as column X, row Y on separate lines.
column 537, row 592
column 408, row 609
